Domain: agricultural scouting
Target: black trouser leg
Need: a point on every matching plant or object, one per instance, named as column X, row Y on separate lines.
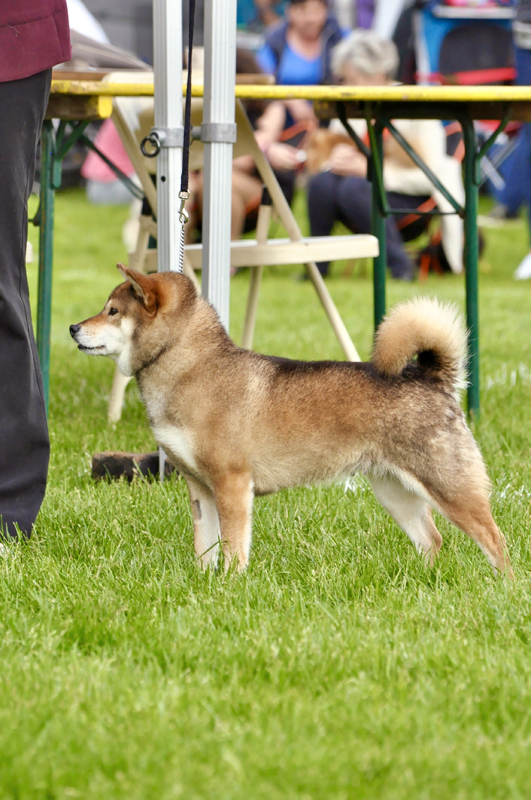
column 323, row 208
column 355, row 201
column 24, row 443
column 286, row 180
column 334, row 198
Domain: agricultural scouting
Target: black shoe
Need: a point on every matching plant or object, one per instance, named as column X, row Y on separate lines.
column 500, row 211
column 407, row 275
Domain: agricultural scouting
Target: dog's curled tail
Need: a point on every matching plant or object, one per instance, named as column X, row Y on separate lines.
column 433, row 332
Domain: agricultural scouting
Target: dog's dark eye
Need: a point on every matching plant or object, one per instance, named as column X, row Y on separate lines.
column 113, row 311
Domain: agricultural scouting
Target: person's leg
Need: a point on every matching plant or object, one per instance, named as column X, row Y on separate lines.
column 513, row 171
column 286, row 179
column 323, row 211
column 354, row 201
column 24, row 444
column 246, row 194
column 523, row 68
column 526, row 169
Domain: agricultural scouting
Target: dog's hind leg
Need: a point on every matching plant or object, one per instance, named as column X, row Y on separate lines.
column 470, row 511
column 207, row 535
column 410, row 511
column 234, row 501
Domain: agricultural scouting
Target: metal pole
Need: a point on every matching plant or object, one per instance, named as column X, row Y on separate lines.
column 218, row 132
column 470, row 259
column 168, row 54
column 378, row 225
column 44, row 307
column 262, row 232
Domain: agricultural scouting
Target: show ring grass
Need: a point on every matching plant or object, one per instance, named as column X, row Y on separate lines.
column 338, row 666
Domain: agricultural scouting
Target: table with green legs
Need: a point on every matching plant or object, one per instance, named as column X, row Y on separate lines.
column 379, row 106
column 66, row 119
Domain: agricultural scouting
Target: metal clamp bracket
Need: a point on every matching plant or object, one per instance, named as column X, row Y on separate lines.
column 170, row 137
column 162, row 137
column 218, row 132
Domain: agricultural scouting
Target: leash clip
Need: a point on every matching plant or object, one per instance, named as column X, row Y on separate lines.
column 183, row 213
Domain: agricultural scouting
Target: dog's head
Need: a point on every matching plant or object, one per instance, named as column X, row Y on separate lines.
column 131, row 328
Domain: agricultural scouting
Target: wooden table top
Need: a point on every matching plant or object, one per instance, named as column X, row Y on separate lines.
column 82, row 99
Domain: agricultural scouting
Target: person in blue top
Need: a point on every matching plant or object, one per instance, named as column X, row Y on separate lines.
column 255, row 15
column 298, row 53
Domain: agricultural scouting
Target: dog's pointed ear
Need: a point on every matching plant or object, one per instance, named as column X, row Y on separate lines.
column 142, row 285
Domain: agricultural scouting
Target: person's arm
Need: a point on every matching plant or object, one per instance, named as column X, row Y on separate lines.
column 269, row 127
column 301, row 110
column 271, row 124
column 268, row 130
column 266, row 11
column 346, row 160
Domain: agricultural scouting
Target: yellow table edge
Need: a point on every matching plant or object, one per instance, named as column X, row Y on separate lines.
column 435, row 94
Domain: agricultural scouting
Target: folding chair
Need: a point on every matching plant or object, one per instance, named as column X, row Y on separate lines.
column 468, row 45
column 134, row 119
column 463, row 44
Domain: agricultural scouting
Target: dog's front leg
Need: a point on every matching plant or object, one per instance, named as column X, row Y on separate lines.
column 206, row 523
column 234, row 501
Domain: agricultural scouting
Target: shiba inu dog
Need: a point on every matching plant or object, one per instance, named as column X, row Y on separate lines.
column 238, row 424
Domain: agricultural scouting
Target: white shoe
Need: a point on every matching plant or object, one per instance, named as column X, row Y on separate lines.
column 523, row 271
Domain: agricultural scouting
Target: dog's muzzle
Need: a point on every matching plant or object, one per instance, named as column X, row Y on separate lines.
column 73, row 330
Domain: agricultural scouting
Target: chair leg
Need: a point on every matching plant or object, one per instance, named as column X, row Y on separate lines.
column 137, row 259
column 252, row 307
column 294, row 233
column 262, row 232
column 119, row 383
column 116, row 400
column 338, row 326
column 190, row 273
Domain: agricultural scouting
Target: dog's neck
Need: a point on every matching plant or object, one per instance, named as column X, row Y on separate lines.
column 182, row 356
column 147, row 364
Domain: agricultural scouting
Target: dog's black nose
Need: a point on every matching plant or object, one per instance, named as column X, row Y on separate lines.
column 74, row 329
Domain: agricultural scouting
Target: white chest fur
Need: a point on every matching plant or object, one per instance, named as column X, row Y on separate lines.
column 178, row 444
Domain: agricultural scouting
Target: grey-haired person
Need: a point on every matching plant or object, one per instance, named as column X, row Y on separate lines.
column 341, row 191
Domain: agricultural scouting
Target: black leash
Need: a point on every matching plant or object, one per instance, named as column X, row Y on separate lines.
column 184, row 194
column 155, row 142
column 188, row 102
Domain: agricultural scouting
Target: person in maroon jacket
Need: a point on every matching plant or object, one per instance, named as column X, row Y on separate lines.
column 34, row 37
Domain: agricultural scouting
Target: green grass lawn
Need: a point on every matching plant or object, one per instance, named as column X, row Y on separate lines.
column 338, row 666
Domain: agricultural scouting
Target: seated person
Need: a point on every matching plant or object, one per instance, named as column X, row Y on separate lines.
column 341, row 192
column 268, row 120
column 298, row 53
column 246, row 181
